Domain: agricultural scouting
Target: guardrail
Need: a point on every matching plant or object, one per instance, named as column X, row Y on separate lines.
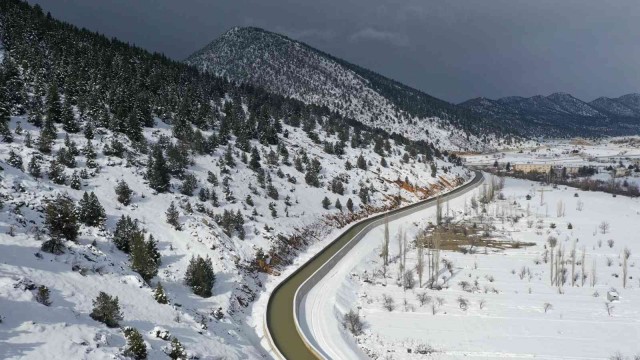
column 322, row 271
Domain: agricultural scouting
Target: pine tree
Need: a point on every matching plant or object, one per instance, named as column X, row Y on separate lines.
column 5, row 113
column 90, row 211
column 364, row 195
column 42, row 295
column 54, row 106
column 361, row 163
column 15, row 160
column 44, row 143
column 75, row 182
column 28, row 141
column 228, row 157
column 123, row 193
column 136, row 348
column 34, row 168
column 66, row 158
column 106, row 310
column 88, row 131
column 212, row 178
column 214, row 197
column 36, row 112
column 254, row 163
column 313, row 170
column 142, row 258
column 199, row 276
column 177, row 351
column 157, row 171
column 56, row 173
column 69, row 123
column 173, row 217
column 326, row 202
column 160, row 295
column 338, row 205
column 203, row 194
column 71, row 145
column 152, row 250
column 350, row 205
column 347, row 165
column 273, row 209
column 90, row 154
column 126, row 230
column 189, row 184
column 60, row 218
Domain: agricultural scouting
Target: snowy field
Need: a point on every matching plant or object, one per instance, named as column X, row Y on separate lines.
column 565, row 152
column 512, row 310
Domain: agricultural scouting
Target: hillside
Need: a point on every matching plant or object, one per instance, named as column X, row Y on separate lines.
column 562, row 115
column 228, row 172
column 294, row 69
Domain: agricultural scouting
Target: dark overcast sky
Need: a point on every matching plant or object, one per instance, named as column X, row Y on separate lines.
column 452, row 49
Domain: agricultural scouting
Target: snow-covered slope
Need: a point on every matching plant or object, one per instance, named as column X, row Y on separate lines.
column 612, row 106
column 93, row 264
column 255, row 178
column 294, row 69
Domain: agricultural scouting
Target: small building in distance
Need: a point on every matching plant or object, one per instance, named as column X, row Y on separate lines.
column 529, row 168
column 622, row 172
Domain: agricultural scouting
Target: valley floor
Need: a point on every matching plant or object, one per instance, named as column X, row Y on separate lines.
column 512, row 309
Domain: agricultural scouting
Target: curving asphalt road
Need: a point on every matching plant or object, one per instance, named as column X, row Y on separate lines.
column 281, row 323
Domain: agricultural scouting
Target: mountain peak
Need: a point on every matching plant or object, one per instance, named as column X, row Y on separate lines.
column 294, row 69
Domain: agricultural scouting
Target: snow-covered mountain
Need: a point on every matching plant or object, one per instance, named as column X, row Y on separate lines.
column 242, row 176
column 561, row 114
column 294, row 69
column 624, row 106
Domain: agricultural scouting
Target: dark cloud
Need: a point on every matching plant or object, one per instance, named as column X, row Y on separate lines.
column 454, row 49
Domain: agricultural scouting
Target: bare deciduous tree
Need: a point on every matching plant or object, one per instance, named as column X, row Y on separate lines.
column 423, row 298
column 408, row 306
column 573, row 265
column 609, row 308
column 420, row 260
column 388, row 303
column 408, row 280
column 626, row 254
column 463, row 303
column 385, row 242
column 582, row 263
column 553, row 241
column 560, row 209
column 353, row 323
column 604, row 227
column 547, row 307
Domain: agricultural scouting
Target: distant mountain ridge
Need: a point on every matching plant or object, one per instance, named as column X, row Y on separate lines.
column 291, row 68
column 561, row 114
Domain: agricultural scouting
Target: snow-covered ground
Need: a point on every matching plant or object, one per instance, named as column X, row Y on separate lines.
column 65, row 331
column 334, row 295
column 575, row 152
column 508, row 289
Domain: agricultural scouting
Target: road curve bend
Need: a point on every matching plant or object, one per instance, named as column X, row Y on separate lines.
column 282, row 328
